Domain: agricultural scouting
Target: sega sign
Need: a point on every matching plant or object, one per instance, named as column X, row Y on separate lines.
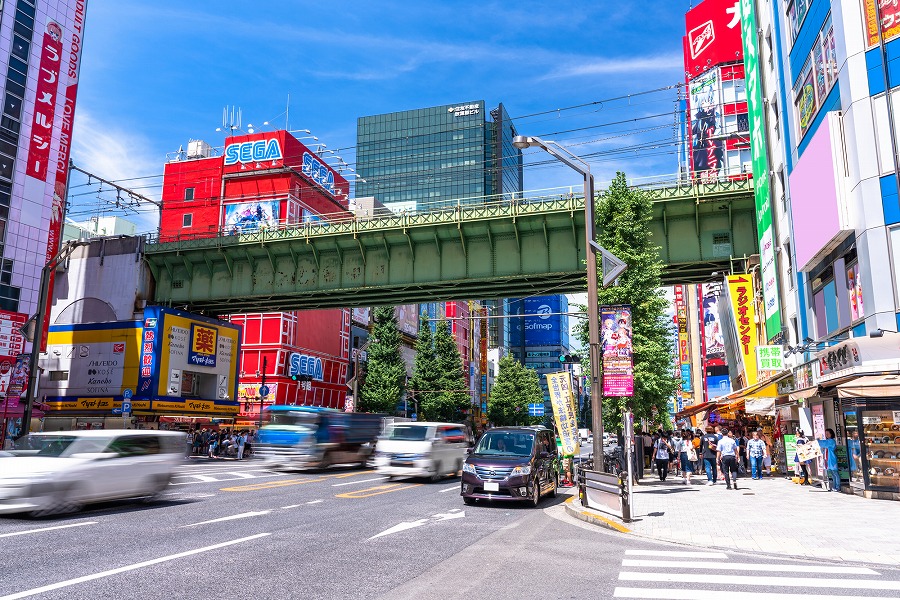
column 255, row 151
column 303, row 364
column 318, row 172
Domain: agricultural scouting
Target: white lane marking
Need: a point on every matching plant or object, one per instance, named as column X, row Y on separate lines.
column 242, row 474
column 676, row 553
column 715, row 579
column 204, row 478
column 729, row 566
column 400, row 527
column 672, row 594
column 358, row 481
column 449, row 489
column 231, row 518
column 4, row 535
column 290, row 506
column 189, row 495
column 125, row 569
column 315, row 501
column 222, row 479
column 449, row 515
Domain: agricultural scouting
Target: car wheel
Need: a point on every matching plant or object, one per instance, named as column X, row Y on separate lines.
column 437, row 475
column 536, row 493
column 155, row 487
column 470, row 501
column 555, row 482
column 62, row 501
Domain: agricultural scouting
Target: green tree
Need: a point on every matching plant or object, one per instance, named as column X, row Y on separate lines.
column 454, row 397
column 514, row 389
column 426, row 379
column 623, row 218
column 385, row 369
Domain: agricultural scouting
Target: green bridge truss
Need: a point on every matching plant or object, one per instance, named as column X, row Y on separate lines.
column 498, row 250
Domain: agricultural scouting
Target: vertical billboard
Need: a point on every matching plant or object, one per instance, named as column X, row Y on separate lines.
column 713, row 36
column 764, row 224
column 544, row 325
column 562, row 400
column 740, row 292
column 617, row 351
column 684, row 342
column 713, row 336
column 707, row 145
column 890, row 20
column 408, row 319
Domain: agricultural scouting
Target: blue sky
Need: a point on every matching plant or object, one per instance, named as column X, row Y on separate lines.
column 155, row 74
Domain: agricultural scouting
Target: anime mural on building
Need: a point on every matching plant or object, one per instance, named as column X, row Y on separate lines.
column 247, row 217
column 707, row 150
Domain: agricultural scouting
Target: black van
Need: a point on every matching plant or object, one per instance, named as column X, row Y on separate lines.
column 511, row 463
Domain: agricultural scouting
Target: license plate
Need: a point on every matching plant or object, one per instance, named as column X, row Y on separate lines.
column 490, row 486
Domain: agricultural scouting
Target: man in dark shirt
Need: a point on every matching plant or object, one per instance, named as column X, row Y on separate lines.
column 708, row 444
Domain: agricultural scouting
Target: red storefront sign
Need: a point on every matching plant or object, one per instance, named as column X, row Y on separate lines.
column 713, row 36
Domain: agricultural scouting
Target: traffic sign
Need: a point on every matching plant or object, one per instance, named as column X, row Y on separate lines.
column 127, row 394
column 264, row 391
column 536, row 410
column 117, row 411
column 126, row 406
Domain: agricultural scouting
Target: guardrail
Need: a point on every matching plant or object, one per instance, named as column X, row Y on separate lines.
column 605, row 492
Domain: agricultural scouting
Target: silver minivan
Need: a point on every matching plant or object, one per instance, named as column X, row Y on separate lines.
column 421, row 449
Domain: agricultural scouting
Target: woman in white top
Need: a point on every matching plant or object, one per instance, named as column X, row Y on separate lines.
column 662, row 450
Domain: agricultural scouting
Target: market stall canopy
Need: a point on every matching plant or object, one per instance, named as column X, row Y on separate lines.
column 803, row 394
column 871, row 386
column 759, row 406
column 766, row 388
column 690, row 411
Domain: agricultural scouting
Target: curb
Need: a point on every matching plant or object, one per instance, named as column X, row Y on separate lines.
column 592, row 517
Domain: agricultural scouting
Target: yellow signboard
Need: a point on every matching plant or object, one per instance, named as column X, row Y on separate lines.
column 563, row 401
column 740, row 291
column 207, row 349
column 195, row 406
column 100, row 404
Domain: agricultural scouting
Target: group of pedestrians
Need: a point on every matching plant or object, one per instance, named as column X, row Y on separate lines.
column 718, row 451
column 222, row 443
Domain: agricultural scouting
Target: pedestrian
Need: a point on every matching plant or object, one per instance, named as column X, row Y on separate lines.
column 710, row 442
column 698, row 451
column 742, row 451
column 688, row 456
column 727, row 453
column 804, row 465
column 675, row 458
column 756, row 452
column 829, row 449
column 662, row 452
column 241, row 442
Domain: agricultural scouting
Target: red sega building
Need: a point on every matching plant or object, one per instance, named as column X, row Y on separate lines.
column 265, row 180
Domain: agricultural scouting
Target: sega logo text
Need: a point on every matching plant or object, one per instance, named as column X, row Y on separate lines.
column 302, row 364
column 260, row 150
column 318, row 172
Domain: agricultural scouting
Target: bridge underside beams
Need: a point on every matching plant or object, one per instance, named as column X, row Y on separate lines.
column 487, row 258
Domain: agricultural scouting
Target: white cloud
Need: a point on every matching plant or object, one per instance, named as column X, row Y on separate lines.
column 618, row 66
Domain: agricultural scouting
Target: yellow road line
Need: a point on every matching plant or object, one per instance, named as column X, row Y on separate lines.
column 353, row 474
column 595, row 516
column 378, row 489
column 268, row 485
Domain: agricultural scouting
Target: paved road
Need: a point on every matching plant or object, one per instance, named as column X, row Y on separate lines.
column 227, row 529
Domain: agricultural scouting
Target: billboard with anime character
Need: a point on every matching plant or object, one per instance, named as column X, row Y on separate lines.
column 248, row 217
column 707, row 149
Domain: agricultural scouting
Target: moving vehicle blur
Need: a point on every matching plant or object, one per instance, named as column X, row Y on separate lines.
column 511, row 463
column 303, row 437
column 48, row 473
column 421, row 449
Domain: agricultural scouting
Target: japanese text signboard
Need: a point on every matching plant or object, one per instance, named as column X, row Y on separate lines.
column 760, row 162
column 713, row 36
column 740, row 291
column 616, row 349
column 890, row 21
column 563, row 401
column 770, row 358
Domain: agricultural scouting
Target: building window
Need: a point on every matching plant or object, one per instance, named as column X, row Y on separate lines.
column 59, row 375
column 790, row 265
column 189, row 193
column 187, row 220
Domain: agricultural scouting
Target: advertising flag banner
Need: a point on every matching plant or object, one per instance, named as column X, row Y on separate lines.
column 562, row 400
column 18, row 381
column 760, row 162
column 616, row 349
column 714, row 339
column 740, row 291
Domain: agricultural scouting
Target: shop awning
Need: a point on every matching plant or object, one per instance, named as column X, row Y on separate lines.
column 765, row 388
column 803, row 394
column 759, row 406
column 871, row 386
column 690, row 411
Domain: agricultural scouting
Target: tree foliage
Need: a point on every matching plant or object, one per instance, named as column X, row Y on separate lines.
column 623, row 218
column 386, row 371
column 514, row 389
column 426, row 380
column 453, row 397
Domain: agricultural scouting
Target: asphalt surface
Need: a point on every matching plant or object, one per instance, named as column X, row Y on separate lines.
column 235, row 530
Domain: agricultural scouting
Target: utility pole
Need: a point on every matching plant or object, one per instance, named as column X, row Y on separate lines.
column 262, row 385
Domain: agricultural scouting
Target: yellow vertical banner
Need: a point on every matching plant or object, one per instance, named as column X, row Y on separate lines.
column 562, row 400
column 740, row 292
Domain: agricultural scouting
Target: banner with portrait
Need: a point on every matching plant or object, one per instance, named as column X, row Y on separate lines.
column 616, row 350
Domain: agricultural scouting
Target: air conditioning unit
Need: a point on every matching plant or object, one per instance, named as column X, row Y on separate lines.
column 198, row 149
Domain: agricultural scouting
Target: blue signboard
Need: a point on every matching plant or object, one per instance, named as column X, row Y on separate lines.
column 303, row 364
column 546, row 326
column 717, row 385
column 535, row 410
column 686, row 378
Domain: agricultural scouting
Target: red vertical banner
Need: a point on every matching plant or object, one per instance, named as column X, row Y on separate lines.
column 45, row 103
column 616, row 347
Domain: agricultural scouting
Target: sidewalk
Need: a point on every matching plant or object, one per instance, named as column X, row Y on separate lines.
column 772, row 516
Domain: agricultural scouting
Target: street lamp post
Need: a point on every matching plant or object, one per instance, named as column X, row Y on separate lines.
column 579, row 165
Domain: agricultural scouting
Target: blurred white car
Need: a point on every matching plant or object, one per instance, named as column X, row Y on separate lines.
column 64, row 470
column 421, row 449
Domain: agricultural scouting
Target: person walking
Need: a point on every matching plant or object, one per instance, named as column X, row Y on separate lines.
column 804, row 465
column 241, row 443
column 709, row 442
column 829, row 449
column 662, row 450
column 727, row 453
column 675, row 458
column 756, row 452
column 688, row 456
column 742, row 451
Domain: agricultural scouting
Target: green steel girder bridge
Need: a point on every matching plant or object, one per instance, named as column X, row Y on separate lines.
column 492, row 250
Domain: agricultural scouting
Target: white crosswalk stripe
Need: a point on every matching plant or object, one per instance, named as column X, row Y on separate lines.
column 209, row 477
column 690, row 575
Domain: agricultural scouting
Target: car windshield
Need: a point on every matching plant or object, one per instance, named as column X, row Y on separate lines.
column 505, row 443
column 61, row 446
column 409, row 433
